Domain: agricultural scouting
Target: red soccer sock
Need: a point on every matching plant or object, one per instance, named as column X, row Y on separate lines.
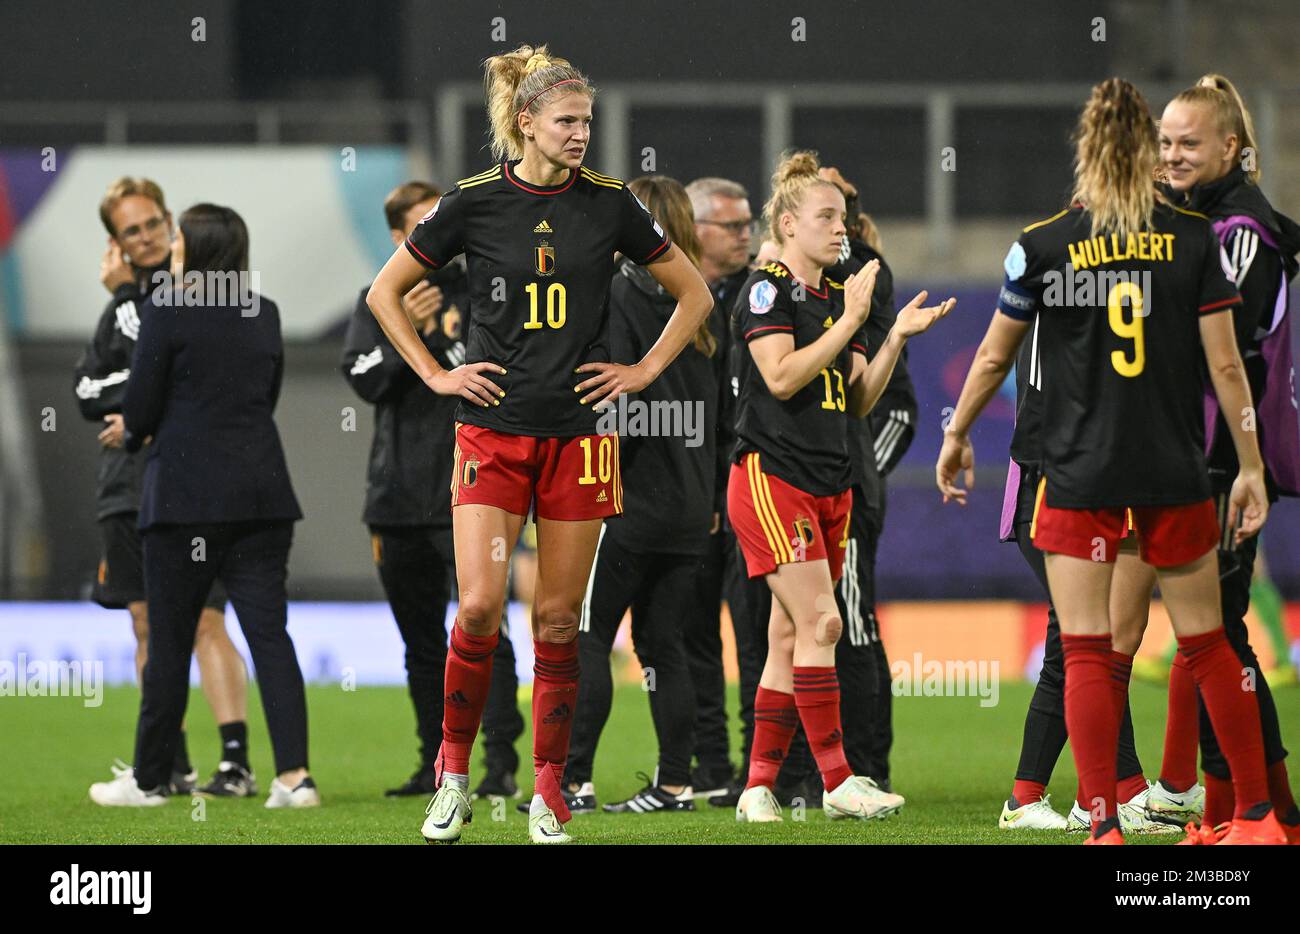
column 1027, row 792
column 817, row 698
column 1092, row 721
column 775, row 720
column 1234, row 714
column 1121, row 670
column 1219, row 801
column 469, row 672
column 555, row 696
column 1279, row 792
column 1182, row 728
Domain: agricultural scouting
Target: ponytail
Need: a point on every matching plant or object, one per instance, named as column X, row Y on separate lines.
column 1115, row 160
column 524, row 80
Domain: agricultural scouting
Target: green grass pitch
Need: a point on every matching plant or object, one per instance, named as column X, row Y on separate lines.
column 953, row 760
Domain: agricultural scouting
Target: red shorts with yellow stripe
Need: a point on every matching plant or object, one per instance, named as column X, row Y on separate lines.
column 777, row 523
column 561, row 478
column 1168, row 536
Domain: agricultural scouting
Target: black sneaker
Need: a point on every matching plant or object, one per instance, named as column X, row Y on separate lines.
column 582, row 801
column 496, row 785
column 713, row 781
column 652, row 799
column 421, row 783
column 230, row 780
column 182, row 783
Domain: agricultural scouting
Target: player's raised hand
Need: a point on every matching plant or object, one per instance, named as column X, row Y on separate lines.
column 469, row 382
column 915, row 319
column 1248, row 502
column 114, row 270
column 609, row 381
column 955, row 455
column 857, row 291
column 422, row 303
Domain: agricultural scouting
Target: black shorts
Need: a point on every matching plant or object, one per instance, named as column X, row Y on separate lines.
column 120, row 578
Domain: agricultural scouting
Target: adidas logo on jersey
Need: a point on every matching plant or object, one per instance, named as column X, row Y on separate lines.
column 828, row 322
column 602, row 498
column 543, row 227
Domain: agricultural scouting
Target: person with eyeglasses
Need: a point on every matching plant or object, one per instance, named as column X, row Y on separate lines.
column 134, row 212
column 724, row 226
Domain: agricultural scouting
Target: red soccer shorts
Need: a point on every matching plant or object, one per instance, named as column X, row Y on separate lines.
column 777, row 523
column 1168, row 536
column 562, row 478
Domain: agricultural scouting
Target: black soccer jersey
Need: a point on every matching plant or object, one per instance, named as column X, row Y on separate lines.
column 1119, row 361
column 803, row 439
column 540, row 262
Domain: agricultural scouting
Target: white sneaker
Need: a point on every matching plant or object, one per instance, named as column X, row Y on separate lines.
column 1036, row 815
column 544, row 827
column 757, row 805
column 123, row 792
column 1176, row 808
column 860, row 797
column 449, row 810
column 1133, row 816
column 304, row 795
column 1080, row 820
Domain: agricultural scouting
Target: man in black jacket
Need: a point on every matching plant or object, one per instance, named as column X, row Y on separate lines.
column 139, row 246
column 408, row 502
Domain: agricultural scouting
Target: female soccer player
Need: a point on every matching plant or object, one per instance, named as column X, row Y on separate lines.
column 1131, row 293
column 539, row 232
column 789, row 494
column 1208, row 152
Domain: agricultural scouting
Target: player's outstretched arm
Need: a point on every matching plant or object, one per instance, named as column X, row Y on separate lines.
column 400, row 274
column 605, row 382
column 988, row 371
column 1248, row 499
column 868, row 381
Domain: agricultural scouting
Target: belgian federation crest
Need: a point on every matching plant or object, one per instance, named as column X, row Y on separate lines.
column 803, row 529
column 544, row 259
column 469, row 472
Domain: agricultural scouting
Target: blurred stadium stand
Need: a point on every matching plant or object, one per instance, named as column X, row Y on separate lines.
column 879, row 90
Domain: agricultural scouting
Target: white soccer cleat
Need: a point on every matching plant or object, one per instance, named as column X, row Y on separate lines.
column 860, row 797
column 304, row 795
column 1036, row 815
column 544, row 827
column 123, row 792
column 1079, row 820
column 758, row 805
column 449, row 810
column 1133, row 816
column 1176, row 808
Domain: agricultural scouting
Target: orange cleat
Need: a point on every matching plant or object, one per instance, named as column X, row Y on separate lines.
column 1264, row 832
column 1292, row 832
column 1198, row 835
column 1111, row 837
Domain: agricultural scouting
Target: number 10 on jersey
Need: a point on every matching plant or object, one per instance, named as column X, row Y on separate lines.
column 556, row 306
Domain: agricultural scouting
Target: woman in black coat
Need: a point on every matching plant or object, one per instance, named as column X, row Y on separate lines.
column 216, row 501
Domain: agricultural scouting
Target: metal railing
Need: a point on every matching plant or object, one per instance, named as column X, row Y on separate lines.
column 445, row 153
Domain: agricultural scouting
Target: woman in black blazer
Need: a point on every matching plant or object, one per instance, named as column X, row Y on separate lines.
column 216, row 502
